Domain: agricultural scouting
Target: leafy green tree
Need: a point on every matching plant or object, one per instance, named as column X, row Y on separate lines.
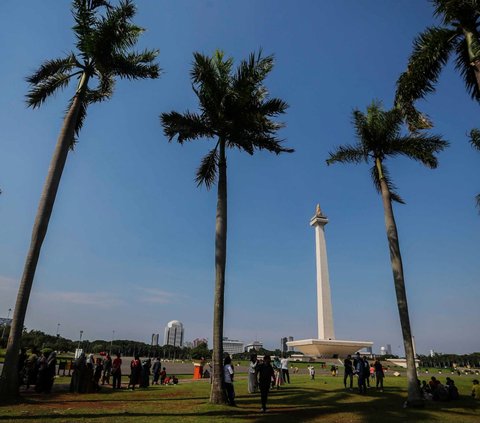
column 379, row 137
column 235, row 111
column 459, row 36
column 105, row 36
column 200, row 351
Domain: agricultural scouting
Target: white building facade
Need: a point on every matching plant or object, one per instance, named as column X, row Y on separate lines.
column 232, row 346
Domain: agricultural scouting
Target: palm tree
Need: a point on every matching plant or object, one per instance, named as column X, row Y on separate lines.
column 475, row 142
column 105, row 35
column 431, row 51
column 235, row 111
column 378, row 137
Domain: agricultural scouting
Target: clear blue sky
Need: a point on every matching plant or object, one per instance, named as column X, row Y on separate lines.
column 130, row 243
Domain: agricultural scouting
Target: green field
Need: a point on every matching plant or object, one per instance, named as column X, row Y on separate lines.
column 321, row 400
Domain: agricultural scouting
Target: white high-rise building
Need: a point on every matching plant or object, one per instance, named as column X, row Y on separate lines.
column 174, row 334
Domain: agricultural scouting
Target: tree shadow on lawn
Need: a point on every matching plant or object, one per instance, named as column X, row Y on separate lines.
column 308, row 404
column 286, row 405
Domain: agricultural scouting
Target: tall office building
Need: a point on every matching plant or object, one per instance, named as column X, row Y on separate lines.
column 174, row 334
column 290, row 339
column 198, row 341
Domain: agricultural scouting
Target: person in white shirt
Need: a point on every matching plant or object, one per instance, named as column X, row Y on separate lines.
column 228, row 379
column 285, row 373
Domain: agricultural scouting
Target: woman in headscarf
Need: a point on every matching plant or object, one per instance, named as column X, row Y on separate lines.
column 252, row 374
column 50, row 371
column 78, row 376
column 42, row 373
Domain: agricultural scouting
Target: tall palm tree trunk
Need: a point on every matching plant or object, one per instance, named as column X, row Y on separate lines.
column 414, row 395
column 471, row 36
column 217, row 393
column 9, row 382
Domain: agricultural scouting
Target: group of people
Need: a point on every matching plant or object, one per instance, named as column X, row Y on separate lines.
column 262, row 375
column 437, row 391
column 360, row 367
column 88, row 372
column 37, row 369
column 140, row 372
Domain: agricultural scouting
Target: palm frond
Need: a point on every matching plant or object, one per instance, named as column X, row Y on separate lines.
column 115, row 32
column 211, row 82
column 386, row 176
column 477, row 200
column 273, row 107
column 466, row 70
column 251, row 73
column 475, row 138
column 453, row 11
column 135, row 65
column 348, row 154
column 431, row 50
column 85, row 21
column 44, row 89
column 51, row 67
column 103, row 92
column 186, row 127
column 263, row 141
column 207, row 171
column 421, row 148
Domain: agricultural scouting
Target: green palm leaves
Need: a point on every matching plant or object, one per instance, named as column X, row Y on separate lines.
column 431, row 51
column 234, row 107
column 378, row 134
column 105, row 35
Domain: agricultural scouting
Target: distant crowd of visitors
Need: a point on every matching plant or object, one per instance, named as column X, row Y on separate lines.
column 88, row 371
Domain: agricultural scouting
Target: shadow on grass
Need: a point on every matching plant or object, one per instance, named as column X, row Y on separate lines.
column 304, row 404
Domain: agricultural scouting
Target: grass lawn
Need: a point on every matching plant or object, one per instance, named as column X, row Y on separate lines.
column 321, row 400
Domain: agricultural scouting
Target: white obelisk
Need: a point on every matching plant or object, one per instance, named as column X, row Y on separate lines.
column 324, row 301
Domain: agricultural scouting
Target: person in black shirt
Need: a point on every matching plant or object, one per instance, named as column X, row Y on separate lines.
column 265, row 374
column 348, row 372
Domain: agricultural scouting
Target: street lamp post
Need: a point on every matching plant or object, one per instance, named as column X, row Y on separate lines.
column 58, row 330
column 5, row 324
column 80, row 340
column 111, row 342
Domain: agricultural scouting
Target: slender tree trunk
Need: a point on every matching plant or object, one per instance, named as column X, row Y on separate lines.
column 217, row 393
column 414, row 395
column 471, row 36
column 9, row 382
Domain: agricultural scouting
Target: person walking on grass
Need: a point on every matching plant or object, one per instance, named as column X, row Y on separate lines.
column 156, row 368
column 379, row 375
column 135, row 372
column 107, row 369
column 285, row 374
column 348, row 373
column 117, row 372
column 252, row 374
column 228, row 374
column 360, row 371
column 265, row 374
column 366, row 364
